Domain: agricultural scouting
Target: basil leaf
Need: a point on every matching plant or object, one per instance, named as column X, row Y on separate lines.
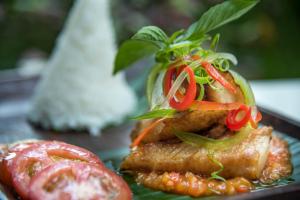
column 132, row 51
column 219, row 15
column 166, row 113
column 152, row 34
column 147, row 41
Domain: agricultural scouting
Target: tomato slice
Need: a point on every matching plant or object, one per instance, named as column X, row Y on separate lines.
column 66, row 180
column 26, row 164
column 23, row 144
column 60, row 150
column 35, row 158
column 10, row 154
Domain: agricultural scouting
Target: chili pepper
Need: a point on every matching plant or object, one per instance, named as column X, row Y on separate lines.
column 232, row 121
column 254, row 120
column 209, row 105
column 189, row 95
column 144, row 132
column 213, row 72
column 170, row 74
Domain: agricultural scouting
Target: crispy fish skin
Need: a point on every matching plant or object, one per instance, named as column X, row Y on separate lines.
column 279, row 161
column 278, row 165
column 191, row 121
column 193, row 185
column 246, row 159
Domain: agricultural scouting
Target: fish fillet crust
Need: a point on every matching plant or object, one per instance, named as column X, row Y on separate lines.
column 246, row 159
column 191, row 121
column 279, row 161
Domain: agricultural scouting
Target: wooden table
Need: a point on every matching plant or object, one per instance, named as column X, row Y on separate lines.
column 15, row 93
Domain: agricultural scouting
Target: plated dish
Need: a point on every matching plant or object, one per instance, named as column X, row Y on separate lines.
column 44, row 170
column 201, row 135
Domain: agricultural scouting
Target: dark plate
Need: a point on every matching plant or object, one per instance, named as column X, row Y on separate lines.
column 113, row 144
column 288, row 188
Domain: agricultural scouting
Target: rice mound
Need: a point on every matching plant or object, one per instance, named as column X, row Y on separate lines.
column 77, row 89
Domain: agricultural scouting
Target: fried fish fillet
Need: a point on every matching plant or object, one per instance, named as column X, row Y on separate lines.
column 246, row 159
column 278, row 166
column 191, row 121
column 279, row 161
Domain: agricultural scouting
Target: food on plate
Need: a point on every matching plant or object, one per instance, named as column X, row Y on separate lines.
column 41, row 170
column 245, row 159
column 201, row 135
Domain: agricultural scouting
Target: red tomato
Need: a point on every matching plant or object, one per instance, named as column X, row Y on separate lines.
column 68, row 151
column 26, row 164
column 21, row 145
column 34, row 159
column 66, row 180
column 6, row 159
column 3, row 169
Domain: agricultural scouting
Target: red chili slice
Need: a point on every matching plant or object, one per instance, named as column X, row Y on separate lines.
column 235, row 124
column 190, row 93
column 180, row 69
column 171, row 72
column 34, row 159
column 168, row 80
column 258, row 117
column 209, row 105
column 254, row 120
column 71, row 180
column 217, row 76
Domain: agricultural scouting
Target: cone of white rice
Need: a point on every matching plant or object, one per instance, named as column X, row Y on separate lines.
column 77, row 89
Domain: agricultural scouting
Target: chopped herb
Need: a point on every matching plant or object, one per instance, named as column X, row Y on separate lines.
column 165, row 113
column 215, row 175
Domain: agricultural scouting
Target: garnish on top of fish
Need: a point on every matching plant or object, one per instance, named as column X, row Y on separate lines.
column 200, row 136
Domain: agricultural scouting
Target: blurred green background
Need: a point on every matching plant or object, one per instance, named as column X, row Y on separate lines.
column 266, row 41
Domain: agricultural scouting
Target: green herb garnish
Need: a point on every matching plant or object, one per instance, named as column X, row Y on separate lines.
column 179, row 48
column 151, row 40
column 215, row 175
column 162, row 113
